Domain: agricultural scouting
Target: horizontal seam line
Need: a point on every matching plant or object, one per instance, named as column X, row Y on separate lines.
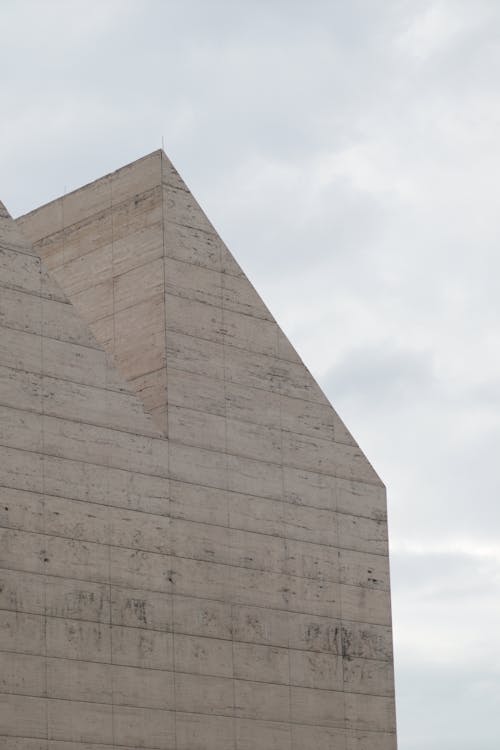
column 210, row 599
column 286, row 649
column 196, row 559
column 169, row 516
column 327, row 442
column 86, row 744
column 47, row 296
column 176, row 672
column 121, row 390
column 169, row 499
column 171, row 442
column 79, row 421
column 129, row 392
column 173, row 631
column 40, row 334
column 13, row 249
column 230, row 715
column 184, row 482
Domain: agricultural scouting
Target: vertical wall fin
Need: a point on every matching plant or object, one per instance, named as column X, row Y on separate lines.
column 104, row 245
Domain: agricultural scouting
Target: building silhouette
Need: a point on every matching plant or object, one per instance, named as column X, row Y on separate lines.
column 193, row 548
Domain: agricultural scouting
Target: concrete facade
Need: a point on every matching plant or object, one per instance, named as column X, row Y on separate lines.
column 193, row 547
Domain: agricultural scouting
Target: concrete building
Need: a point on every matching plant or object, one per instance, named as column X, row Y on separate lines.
column 193, row 548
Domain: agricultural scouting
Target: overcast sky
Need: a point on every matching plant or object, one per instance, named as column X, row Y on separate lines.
column 348, row 151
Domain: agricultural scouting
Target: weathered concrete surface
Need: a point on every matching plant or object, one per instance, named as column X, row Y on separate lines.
column 193, row 548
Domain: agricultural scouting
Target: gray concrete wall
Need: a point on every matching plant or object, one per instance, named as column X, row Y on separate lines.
column 204, row 571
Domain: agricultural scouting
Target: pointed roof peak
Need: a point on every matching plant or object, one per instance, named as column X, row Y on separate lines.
column 11, row 239
column 108, row 177
column 4, row 214
column 162, row 294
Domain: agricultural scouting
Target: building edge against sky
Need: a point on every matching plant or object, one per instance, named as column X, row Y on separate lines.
column 194, row 548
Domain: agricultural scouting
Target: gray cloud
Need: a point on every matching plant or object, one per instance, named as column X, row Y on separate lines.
column 449, row 657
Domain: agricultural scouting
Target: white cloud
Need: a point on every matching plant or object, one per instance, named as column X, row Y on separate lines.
column 431, row 30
